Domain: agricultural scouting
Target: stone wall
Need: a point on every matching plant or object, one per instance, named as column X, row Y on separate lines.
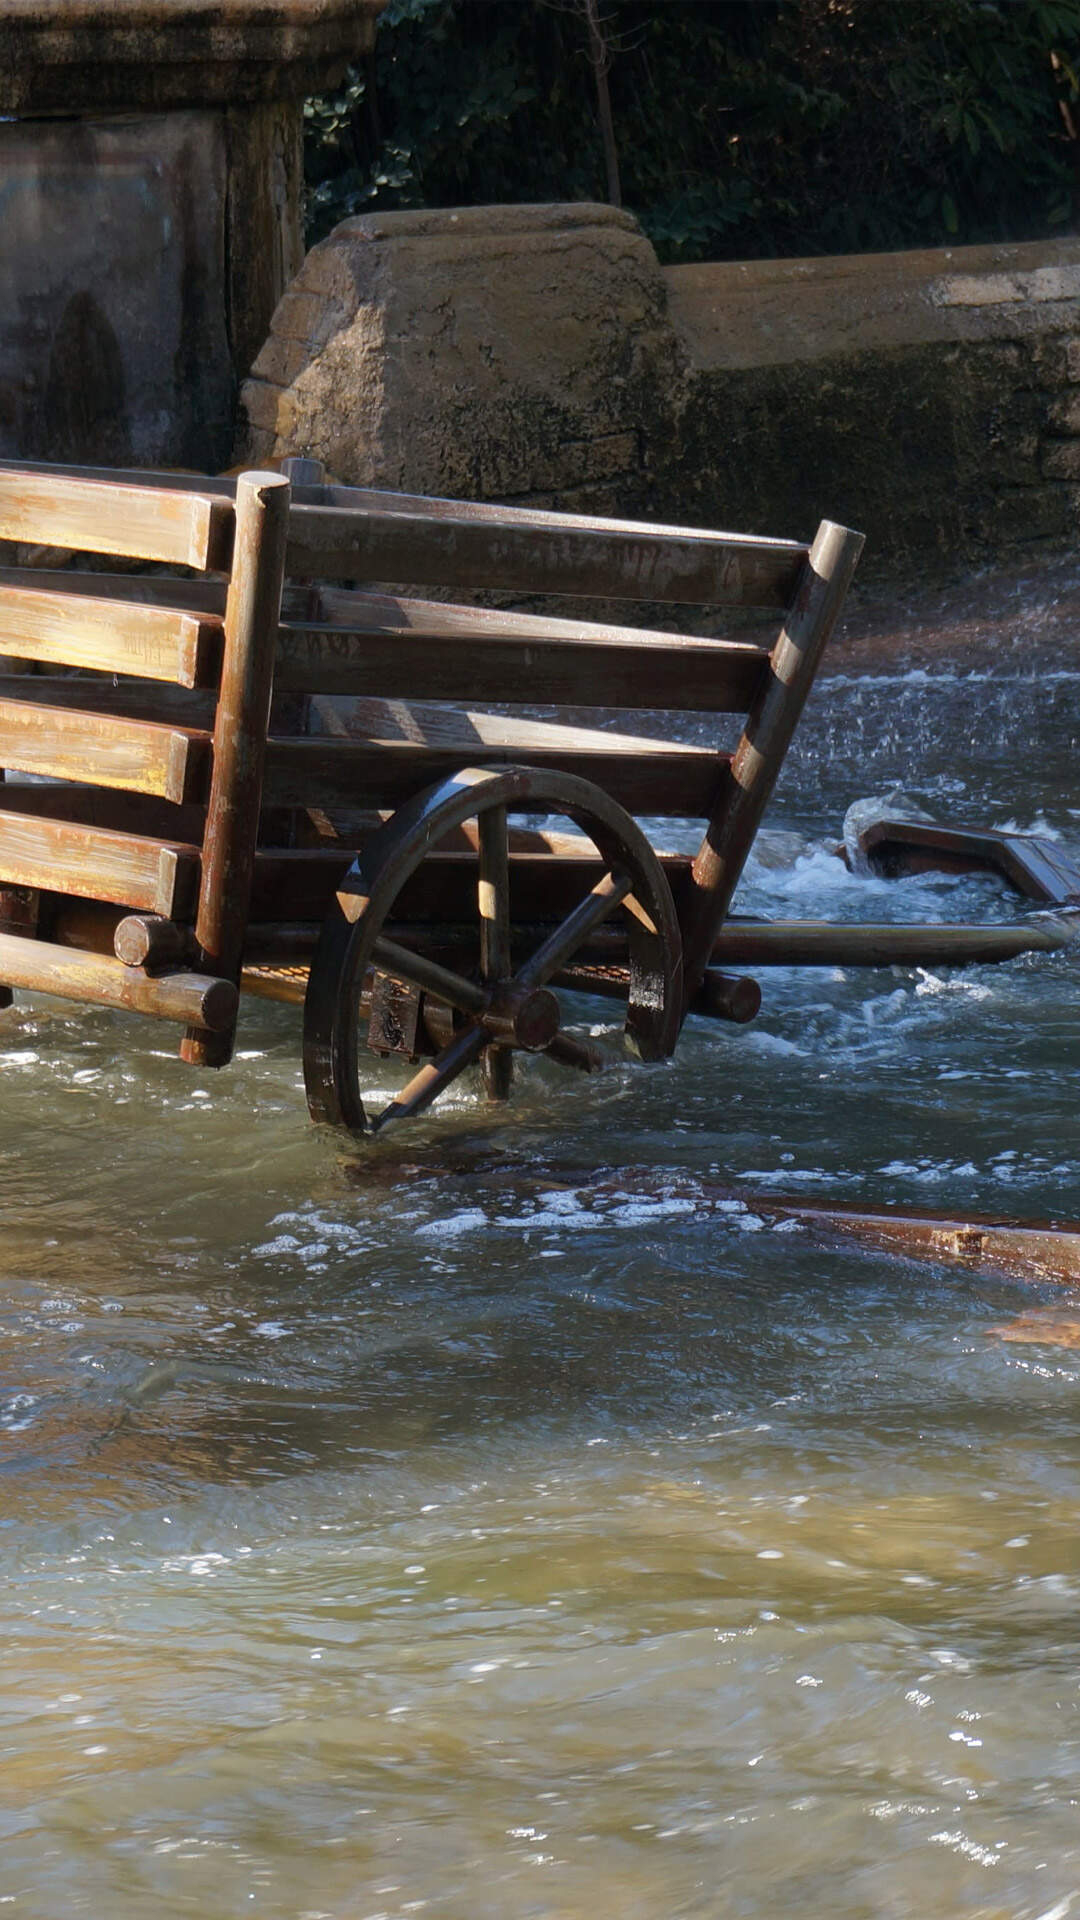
column 542, row 354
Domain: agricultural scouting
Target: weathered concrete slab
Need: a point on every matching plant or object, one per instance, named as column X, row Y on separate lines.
column 754, row 313
column 100, row 56
column 112, row 298
column 541, row 353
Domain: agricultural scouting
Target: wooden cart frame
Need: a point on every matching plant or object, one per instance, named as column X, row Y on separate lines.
column 261, row 775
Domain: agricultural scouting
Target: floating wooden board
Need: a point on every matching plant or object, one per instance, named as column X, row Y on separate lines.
column 103, row 634
column 1037, row 867
column 372, row 643
column 189, row 529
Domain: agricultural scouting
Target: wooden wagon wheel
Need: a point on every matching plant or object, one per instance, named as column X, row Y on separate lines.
column 495, row 1008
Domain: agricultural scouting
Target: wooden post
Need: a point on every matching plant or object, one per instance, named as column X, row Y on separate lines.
column 749, row 781
column 252, row 613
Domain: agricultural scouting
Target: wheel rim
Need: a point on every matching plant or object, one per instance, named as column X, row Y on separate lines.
column 500, row 1010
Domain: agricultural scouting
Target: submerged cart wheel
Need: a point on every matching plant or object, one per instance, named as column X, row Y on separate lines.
column 477, row 996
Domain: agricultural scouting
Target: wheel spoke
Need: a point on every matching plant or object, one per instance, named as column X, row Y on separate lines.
column 493, row 891
column 608, row 894
column 418, row 971
column 433, row 1078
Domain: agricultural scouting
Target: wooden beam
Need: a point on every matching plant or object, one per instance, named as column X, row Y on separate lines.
column 252, row 614
column 189, row 529
column 752, row 772
column 38, row 966
column 810, row 943
column 109, row 636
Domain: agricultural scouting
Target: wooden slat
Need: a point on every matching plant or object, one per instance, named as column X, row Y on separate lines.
column 108, row 807
column 385, row 773
column 297, row 885
column 152, row 700
column 95, row 864
column 65, row 629
column 190, row 529
column 373, row 643
column 522, row 552
column 38, row 966
column 395, row 748
column 73, row 744
column 199, row 597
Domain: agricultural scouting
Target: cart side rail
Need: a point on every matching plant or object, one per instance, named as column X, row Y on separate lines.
column 136, row 738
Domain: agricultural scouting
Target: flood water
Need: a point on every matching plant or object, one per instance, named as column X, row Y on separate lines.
column 412, row 1532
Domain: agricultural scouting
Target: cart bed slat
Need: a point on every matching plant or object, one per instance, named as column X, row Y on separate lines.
column 522, row 552
column 73, row 744
column 66, row 629
column 96, row 864
column 395, row 748
column 189, row 529
column 376, row 643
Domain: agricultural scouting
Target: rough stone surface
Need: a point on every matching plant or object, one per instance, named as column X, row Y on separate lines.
column 541, row 354
column 496, row 352
column 95, row 56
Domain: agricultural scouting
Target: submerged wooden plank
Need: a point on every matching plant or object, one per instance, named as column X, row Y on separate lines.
column 109, row 636
column 96, row 864
column 1022, row 1249
column 371, row 643
column 189, row 529
column 518, row 551
column 68, row 744
column 38, row 966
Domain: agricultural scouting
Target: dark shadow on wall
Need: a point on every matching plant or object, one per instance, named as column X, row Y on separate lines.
column 84, row 417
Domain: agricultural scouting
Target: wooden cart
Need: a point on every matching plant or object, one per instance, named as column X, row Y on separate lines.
column 262, row 776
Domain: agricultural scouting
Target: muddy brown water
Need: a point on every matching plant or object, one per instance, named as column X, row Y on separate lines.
column 410, row 1533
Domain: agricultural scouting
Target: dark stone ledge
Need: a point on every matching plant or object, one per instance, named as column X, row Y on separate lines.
column 118, row 56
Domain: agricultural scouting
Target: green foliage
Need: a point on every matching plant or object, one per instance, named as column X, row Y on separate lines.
column 745, row 127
